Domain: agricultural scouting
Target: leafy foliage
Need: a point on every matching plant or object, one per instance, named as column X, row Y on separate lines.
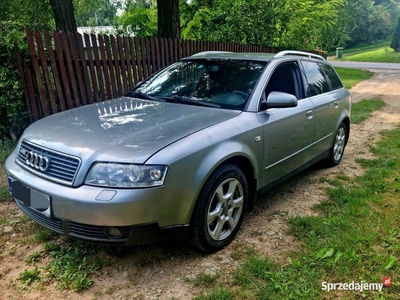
column 395, row 43
column 95, row 12
column 14, row 16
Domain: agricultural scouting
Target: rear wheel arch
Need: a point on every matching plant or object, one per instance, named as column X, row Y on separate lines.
column 346, row 122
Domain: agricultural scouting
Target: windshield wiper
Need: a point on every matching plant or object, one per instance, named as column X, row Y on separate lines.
column 184, row 100
column 141, row 95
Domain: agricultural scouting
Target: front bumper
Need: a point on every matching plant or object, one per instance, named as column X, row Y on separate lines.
column 88, row 212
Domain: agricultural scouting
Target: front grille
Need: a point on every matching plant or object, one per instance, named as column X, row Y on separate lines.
column 62, row 168
column 53, row 224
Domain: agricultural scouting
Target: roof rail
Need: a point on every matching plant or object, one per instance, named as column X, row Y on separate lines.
column 210, row 52
column 299, row 53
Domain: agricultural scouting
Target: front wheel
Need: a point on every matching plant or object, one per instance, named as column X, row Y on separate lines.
column 219, row 210
column 338, row 146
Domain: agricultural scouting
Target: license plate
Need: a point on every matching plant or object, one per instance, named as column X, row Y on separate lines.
column 30, row 197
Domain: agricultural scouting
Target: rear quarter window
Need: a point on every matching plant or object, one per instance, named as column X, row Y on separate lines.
column 317, row 83
column 332, row 77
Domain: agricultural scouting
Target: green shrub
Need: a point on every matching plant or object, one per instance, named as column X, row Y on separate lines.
column 13, row 113
column 395, row 44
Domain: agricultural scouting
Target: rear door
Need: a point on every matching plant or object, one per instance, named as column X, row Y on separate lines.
column 326, row 101
column 287, row 132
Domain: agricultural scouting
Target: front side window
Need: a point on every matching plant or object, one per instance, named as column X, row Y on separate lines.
column 227, row 83
column 317, row 83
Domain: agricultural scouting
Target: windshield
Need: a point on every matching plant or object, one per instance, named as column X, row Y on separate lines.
column 225, row 83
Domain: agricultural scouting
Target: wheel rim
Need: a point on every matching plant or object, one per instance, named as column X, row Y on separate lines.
column 225, row 209
column 339, row 144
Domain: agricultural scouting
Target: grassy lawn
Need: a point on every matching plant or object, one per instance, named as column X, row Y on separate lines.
column 351, row 77
column 363, row 109
column 384, row 54
column 356, row 50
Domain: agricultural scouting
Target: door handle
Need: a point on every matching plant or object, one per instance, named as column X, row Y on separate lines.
column 310, row 114
column 336, row 104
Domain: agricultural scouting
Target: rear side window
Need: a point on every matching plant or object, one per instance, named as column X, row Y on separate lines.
column 332, row 77
column 317, row 83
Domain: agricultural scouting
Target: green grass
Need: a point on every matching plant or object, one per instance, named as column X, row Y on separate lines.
column 351, row 77
column 361, row 48
column 362, row 110
column 384, row 54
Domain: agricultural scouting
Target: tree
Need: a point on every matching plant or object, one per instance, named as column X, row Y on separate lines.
column 96, row 12
column 395, row 43
column 63, row 12
column 168, row 18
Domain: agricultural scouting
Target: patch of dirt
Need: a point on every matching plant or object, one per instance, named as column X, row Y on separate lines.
column 165, row 271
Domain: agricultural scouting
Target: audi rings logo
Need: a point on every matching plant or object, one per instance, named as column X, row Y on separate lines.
column 37, row 161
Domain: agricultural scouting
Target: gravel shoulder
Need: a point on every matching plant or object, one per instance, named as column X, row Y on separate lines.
column 165, row 271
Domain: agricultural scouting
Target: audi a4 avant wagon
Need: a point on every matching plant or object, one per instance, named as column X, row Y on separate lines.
column 185, row 153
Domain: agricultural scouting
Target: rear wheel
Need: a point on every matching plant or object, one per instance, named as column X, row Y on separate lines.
column 219, row 210
column 338, row 146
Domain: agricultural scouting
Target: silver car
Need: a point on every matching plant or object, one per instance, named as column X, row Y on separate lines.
column 186, row 153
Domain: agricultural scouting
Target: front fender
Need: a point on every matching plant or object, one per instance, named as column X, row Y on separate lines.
column 188, row 172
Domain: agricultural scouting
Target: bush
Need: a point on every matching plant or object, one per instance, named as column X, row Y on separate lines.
column 13, row 113
column 395, row 44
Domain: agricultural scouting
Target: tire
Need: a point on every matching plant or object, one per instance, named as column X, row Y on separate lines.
column 339, row 144
column 219, row 210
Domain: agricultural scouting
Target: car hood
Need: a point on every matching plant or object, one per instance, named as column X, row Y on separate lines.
column 123, row 129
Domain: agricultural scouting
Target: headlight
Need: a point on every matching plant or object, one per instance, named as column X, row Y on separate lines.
column 124, row 175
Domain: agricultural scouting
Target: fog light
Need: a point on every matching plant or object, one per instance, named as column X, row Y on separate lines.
column 113, row 232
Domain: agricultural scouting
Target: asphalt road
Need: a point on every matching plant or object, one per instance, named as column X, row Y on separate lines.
column 365, row 65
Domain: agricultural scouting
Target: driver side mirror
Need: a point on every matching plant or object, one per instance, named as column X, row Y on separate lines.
column 280, row 100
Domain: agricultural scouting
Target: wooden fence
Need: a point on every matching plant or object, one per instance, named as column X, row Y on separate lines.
column 67, row 70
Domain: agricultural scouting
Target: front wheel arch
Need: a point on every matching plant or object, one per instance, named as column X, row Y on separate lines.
column 219, row 209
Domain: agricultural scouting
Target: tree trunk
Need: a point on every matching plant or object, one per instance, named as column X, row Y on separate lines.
column 168, row 19
column 63, row 12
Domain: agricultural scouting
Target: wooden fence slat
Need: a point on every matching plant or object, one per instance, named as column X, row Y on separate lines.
column 171, row 51
column 64, row 80
column 67, row 56
column 116, row 65
column 122, row 62
column 128, row 61
column 91, row 67
column 99, row 72
column 147, row 56
column 83, row 66
column 103, row 55
column 153, row 56
column 143, row 58
column 54, row 70
column 111, row 67
column 158, row 53
column 162, row 52
column 45, row 70
column 138, row 59
column 23, row 80
column 133, row 60
column 36, row 69
column 81, row 99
